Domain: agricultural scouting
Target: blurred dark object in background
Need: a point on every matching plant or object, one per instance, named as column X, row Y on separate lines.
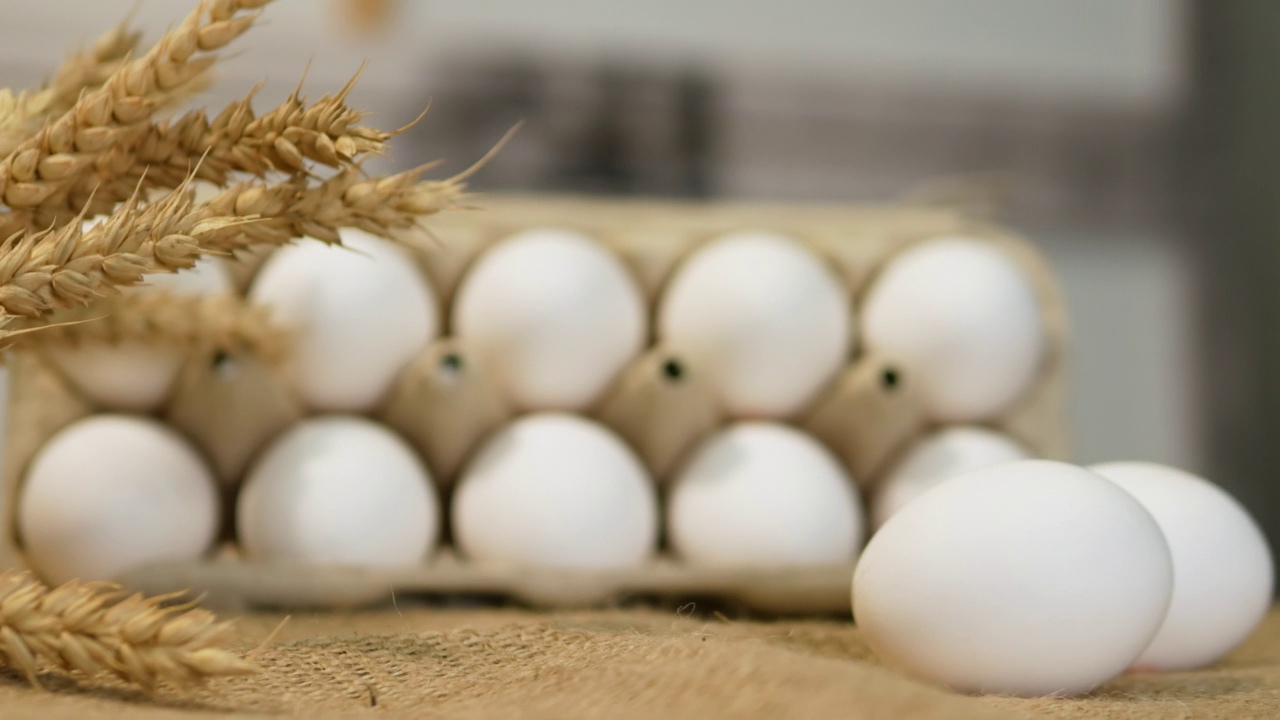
column 618, row 129
column 612, row 129
column 1230, row 176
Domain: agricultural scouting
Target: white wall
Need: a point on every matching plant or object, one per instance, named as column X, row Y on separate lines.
column 1131, row 360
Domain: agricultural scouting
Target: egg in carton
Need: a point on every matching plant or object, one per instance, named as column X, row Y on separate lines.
column 665, row 403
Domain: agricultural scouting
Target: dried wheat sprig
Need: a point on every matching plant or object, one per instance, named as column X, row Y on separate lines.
column 296, row 208
column 118, row 113
column 70, row 266
column 379, row 205
column 226, row 322
column 283, row 140
column 22, row 114
column 94, row 629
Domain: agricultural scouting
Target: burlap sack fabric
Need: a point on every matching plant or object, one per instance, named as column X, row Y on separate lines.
column 638, row 664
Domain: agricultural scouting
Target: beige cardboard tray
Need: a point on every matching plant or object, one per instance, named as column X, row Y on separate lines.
column 228, row 583
column 231, row 417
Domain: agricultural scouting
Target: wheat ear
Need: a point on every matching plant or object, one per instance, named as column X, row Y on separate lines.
column 379, row 205
column 115, row 115
column 283, row 140
column 22, row 114
column 94, row 629
column 226, row 322
column 294, row 208
column 70, row 266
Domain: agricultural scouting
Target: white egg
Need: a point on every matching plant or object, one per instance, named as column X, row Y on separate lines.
column 963, row 320
column 1222, row 565
column 938, row 457
column 111, row 492
column 554, row 314
column 361, row 313
column 1025, row 578
column 768, row 319
column 556, row 491
column 136, row 376
column 338, row 490
column 130, row 376
column 762, row 494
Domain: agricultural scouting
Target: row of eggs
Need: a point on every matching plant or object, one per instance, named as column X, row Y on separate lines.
column 555, row 316
column 990, row 572
column 548, row 490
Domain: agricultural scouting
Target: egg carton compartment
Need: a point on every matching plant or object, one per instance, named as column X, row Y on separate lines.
column 232, row 405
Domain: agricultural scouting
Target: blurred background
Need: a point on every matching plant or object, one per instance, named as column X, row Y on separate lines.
column 1136, row 141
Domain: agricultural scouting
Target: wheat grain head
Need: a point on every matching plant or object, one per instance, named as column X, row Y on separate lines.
column 283, row 140
column 93, row 629
column 70, row 266
column 37, row 171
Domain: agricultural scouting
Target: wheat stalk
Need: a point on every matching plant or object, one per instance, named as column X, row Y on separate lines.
column 64, row 266
column 379, row 205
column 70, row 267
column 225, row 322
column 94, row 629
column 20, row 115
column 283, row 140
column 295, row 208
column 117, row 114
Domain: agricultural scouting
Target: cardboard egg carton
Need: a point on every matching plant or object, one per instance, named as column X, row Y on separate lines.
column 445, row 406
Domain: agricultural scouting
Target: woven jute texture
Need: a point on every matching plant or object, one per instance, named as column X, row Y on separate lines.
column 418, row 662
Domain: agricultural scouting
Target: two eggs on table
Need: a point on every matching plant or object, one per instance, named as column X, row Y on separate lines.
column 554, row 317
